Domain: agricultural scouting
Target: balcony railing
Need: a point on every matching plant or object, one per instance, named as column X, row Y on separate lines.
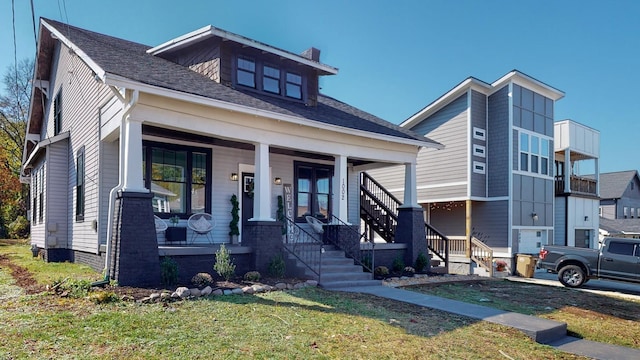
column 578, row 185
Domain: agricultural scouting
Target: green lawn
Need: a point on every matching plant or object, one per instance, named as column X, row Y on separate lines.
column 308, row 323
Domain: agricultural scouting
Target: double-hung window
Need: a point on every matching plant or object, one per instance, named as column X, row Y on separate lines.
column 80, row 188
column 534, row 154
column 57, row 113
column 271, row 79
column 293, row 88
column 313, row 190
column 246, row 74
column 179, row 178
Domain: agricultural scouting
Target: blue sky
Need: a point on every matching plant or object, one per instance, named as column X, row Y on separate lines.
column 397, row 57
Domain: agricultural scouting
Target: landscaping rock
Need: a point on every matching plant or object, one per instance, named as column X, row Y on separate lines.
column 299, row 285
column 217, row 292
column 154, row 296
column 237, row 291
column 248, row 290
column 183, row 292
column 227, row 292
column 312, row 283
column 257, row 288
column 281, row 286
column 206, row 291
column 195, row 292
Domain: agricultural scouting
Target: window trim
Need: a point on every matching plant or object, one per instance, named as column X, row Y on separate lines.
column 259, row 76
column 254, row 72
column 479, row 167
column 278, row 79
column 57, row 113
column 479, row 133
column 482, row 149
column 41, row 195
column 208, row 184
column 287, row 82
column 80, row 184
column 530, row 155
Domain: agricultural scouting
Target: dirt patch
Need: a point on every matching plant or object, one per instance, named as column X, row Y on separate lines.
column 21, row 275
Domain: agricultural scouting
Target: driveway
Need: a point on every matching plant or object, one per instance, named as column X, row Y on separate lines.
column 604, row 287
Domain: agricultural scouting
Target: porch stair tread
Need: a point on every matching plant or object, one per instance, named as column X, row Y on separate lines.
column 343, row 284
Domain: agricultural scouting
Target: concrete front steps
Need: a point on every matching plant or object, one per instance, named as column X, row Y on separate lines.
column 337, row 271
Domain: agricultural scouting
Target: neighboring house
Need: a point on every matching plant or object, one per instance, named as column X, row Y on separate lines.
column 494, row 180
column 624, row 228
column 577, row 148
column 620, row 195
column 119, row 132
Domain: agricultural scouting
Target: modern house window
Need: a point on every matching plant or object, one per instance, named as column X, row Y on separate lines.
column 246, row 73
column 479, row 134
column 80, row 188
column 479, row 167
column 534, row 154
column 293, row 87
column 313, row 190
column 179, row 178
column 479, row 150
column 271, row 79
column 57, row 113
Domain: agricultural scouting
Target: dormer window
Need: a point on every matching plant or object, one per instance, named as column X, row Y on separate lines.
column 294, row 86
column 246, row 72
column 271, row 79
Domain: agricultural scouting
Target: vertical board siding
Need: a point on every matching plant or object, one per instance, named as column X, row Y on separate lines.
column 498, row 169
column 56, row 193
column 479, row 120
column 532, row 195
column 560, row 226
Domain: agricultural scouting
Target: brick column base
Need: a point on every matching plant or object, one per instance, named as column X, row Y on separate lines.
column 265, row 238
column 134, row 246
column 411, row 231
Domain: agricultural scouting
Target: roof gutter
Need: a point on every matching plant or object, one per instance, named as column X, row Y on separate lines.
column 130, row 101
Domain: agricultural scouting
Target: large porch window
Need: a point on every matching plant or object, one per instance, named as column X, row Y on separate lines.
column 313, row 190
column 179, row 178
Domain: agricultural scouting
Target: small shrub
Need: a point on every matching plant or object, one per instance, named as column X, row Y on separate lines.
column 252, row 276
column 224, row 266
column 71, row 288
column 381, row 271
column 398, row 264
column 103, row 297
column 421, row 262
column 18, row 228
column 202, row 280
column 168, row 271
column 277, row 267
column 409, row 270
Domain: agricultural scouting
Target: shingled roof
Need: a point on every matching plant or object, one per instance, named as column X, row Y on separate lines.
column 130, row 60
column 613, row 185
column 620, row 226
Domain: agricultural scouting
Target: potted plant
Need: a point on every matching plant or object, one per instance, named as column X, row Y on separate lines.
column 234, row 231
column 174, row 220
column 175, row 232
column 501, row 265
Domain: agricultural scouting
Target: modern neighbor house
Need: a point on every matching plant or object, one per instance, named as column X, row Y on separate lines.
column 506, row 181
column 123, row 136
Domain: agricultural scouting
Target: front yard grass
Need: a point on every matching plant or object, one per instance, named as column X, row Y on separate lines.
column 591, row 316
column 309, row 323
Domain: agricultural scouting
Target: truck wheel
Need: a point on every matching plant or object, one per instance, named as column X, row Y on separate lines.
column 572, row 276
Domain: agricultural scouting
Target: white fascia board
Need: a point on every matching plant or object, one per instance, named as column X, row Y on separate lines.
column 210, row 31
column 43, row 144
column 81, row 54
column 527, row 81
column 119, row 81
column 442, row 101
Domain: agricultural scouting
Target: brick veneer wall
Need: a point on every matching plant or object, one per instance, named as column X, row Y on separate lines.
column 265, row 238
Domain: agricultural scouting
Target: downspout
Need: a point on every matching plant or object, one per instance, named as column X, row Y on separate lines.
column 129, row 103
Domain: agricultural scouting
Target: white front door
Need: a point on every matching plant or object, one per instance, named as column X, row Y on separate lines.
column 530, row 241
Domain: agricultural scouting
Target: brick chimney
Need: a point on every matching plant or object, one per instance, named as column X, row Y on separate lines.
column 311, row 54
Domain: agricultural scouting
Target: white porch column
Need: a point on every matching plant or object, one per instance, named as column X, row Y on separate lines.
column 133, row 156
column 262, row 185
column 410, row 187
column 597, row 163
column 339, row 205
column 567, row 171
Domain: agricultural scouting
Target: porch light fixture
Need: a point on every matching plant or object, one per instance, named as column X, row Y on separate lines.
column 277, row 181
column 534, row 216
column 233, row 177
column 586, row 218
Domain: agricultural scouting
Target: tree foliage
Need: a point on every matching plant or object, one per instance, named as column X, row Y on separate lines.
column 14, row 112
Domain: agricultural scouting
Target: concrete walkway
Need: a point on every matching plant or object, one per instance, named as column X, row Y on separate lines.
column 544, row 331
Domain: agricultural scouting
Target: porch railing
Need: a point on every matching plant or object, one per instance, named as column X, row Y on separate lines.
column 577, row 184
column 379, row 207
column 482, row 255
column 304, row 246
column 355, row 245
column 437, row 243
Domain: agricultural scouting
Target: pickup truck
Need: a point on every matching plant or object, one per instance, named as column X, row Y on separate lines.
column 617, row 259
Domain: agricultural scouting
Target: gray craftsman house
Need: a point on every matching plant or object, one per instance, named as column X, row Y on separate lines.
column 123, row 136
column 620, row 195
